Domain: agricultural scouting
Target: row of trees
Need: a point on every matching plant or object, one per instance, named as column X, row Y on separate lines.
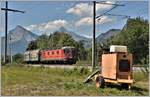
column 58, row 40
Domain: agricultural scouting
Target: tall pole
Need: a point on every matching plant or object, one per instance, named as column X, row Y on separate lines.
column 6, row 15
column 94, row 27
column 93, row 41
column 6, row 9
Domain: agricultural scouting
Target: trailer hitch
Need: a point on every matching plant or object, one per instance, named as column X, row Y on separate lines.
column 89, row 78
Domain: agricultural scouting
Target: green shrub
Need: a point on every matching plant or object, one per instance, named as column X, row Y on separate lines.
column 18, row 58
column 145, row 63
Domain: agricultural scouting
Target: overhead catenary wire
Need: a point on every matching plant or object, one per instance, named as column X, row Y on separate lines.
column 116, row 15
column 106, row 12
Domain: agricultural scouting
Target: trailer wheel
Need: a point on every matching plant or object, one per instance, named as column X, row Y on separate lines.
column 126, row 86
column 100, row 82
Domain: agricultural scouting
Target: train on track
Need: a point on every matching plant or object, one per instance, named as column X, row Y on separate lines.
column 65, row 55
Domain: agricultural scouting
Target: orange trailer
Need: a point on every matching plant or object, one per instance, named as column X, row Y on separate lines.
column 116, row 67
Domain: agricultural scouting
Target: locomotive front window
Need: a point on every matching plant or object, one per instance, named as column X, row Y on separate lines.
column 66, row 50
column 124, row 66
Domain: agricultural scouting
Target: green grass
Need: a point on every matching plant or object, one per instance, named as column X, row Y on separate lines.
column 40, row 81
column 83, row 63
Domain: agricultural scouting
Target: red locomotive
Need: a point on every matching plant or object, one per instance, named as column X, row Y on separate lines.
column 63, row 55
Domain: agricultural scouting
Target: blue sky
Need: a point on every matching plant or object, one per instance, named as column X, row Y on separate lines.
column 47, row 16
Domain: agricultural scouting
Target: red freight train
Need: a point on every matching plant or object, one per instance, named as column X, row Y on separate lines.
column 63, row 55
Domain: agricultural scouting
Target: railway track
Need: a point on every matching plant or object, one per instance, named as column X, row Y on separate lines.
column 63, row 66
column 67, row 66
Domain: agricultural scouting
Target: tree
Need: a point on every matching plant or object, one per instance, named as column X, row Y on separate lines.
column 58, row 40
column 82, row 53
column 32, row 45
column 135, row 37
column 42, row 41
column 18, row 58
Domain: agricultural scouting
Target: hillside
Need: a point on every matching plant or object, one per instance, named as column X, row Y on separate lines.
column 20, row 38
column 102, row 38
column 76, row 37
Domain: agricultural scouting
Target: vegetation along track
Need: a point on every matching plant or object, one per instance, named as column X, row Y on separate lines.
column 67, row 66
column 58, row 66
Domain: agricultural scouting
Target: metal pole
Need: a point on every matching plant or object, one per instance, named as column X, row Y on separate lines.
column 10, row 49
column 6, row 15
column 93, row 41
column 6, row 27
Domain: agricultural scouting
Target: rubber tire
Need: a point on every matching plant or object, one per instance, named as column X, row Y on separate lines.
column 100, row 82
column 124, row 85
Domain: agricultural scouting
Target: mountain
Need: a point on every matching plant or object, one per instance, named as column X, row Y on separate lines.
column 86, row 41
column 102, row 38
column 18, row 40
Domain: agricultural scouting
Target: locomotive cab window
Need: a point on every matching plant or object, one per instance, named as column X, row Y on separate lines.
column 124, row 66
column 66, row 50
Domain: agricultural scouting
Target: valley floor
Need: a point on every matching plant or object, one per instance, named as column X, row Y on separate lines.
column 39, row 81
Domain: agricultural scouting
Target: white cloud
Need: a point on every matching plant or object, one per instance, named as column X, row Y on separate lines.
column 48, row 27
column 80, row 9
column 86, row 9
column 84, row 21
column 103, row 6
column 89, row 21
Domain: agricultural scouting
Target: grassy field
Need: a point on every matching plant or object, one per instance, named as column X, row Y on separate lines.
column 39, row 81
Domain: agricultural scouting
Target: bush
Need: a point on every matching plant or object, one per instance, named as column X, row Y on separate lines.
column 145, row 63
column 18, row 58
column 77, row 71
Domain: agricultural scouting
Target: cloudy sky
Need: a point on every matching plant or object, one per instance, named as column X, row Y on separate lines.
column 47, row 17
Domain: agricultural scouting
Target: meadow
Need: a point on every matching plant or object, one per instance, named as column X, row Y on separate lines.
column 40, row 81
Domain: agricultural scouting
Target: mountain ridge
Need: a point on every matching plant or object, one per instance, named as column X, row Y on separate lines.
column 20, row 38
column 75, row 36
column 103, row 37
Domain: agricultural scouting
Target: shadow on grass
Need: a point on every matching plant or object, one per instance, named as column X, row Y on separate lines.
column 114, row 86
column 139, row 90
column 134, row 89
